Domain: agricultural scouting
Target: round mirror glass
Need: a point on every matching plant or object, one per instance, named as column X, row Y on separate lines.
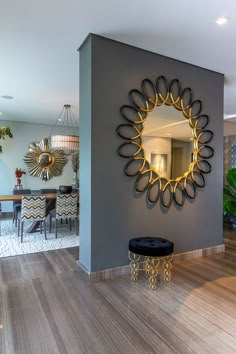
column 168, row 142
column 45, row 160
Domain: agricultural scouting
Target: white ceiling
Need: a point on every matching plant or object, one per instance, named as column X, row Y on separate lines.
column 39, row 62
column 167, row 122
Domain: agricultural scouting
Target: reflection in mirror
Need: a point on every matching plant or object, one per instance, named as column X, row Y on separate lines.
column 168, row 142
column 45, row 159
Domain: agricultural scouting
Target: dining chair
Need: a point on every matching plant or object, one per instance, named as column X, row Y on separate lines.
column 66, row 208
column 52, row 203
column 33, row 209
column 0, row 216
column 48, row 191
column 17, row 203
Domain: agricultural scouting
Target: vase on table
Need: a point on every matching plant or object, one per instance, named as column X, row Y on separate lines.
column 19, row 173
column 75, row 181
column 18, row 185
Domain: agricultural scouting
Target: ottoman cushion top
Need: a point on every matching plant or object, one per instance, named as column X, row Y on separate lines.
column 151, row 246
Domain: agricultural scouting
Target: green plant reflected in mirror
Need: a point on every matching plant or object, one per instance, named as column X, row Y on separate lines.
column 154, row 172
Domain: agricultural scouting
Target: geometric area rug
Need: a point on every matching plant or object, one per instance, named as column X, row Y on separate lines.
column 10, row 244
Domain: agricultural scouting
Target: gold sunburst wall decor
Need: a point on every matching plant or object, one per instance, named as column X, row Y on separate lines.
column 43, row 161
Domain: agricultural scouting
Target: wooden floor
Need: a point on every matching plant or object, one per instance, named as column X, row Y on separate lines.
column 47, row 305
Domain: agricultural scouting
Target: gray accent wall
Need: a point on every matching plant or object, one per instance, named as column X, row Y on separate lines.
column 111, row 211
column 85, row 114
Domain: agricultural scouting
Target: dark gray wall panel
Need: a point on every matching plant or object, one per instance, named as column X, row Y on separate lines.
column 85, row 154
column 117, row 212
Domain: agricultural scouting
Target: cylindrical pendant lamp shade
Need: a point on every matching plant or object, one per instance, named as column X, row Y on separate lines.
column 64, row 140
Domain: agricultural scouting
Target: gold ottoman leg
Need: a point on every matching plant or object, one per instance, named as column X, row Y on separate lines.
column 147, row 264
column 153, row 271
column 134, row 265
column 167, row 265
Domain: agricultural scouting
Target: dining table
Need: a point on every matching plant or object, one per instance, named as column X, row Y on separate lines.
column 14, row 197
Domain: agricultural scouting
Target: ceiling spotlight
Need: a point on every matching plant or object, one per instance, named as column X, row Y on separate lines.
column 222, row 20
column 7, row 97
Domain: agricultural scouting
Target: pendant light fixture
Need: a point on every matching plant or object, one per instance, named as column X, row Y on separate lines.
column 66, row 127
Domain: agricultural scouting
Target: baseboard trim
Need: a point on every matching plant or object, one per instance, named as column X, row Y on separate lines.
column 6, row 215
column 204, row 252
column 105, row 274
column 124, row 270
column 228, row 241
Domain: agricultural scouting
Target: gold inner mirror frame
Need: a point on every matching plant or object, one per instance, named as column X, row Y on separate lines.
column 150, row 97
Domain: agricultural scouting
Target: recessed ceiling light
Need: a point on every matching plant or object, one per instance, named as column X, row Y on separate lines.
column 222, row 20
column 0, row 113
column 7, row 97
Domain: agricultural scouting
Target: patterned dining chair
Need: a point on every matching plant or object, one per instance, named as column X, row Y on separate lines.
column 48, row 191
column 17, row 203
column 33, row 209
column 66, row 208
column 0, row 216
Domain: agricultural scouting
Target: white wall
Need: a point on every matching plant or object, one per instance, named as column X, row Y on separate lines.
column 14, row 151
column 156, row 145
column 187, row 152
column 229, row 128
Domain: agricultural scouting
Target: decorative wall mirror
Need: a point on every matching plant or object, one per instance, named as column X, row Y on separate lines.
column 43, row 161
column 166, row 141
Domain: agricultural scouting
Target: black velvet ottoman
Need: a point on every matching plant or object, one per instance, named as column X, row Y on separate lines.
column 147, row 254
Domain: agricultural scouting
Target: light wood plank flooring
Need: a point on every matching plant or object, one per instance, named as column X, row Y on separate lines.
column 47, row 305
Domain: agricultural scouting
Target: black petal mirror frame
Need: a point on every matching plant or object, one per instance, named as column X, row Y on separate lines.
column 145, row 101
